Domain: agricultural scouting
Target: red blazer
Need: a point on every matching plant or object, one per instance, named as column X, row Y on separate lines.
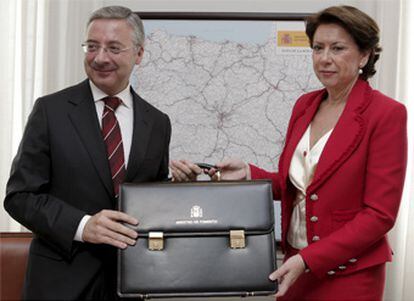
column 357, row 185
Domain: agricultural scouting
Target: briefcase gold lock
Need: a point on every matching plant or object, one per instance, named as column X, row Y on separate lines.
column 155, row 241
column 237, row 239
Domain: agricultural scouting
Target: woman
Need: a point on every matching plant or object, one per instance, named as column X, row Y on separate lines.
column 341, row 172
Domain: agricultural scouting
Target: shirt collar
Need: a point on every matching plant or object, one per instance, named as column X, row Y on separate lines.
column 125, row 95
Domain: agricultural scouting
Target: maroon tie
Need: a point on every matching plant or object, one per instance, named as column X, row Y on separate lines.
column 113, row 140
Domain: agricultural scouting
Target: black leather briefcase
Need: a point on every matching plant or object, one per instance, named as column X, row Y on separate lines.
column 198, row 239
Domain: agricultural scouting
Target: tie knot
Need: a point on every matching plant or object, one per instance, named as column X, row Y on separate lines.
column 112, row 102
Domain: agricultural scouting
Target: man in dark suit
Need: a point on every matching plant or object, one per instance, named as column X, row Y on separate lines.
column 78, row 146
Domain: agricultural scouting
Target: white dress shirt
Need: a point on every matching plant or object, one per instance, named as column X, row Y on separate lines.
column 301, row 171
column 125, row 115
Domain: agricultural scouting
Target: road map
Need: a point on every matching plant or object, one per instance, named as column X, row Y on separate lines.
column 228, row 86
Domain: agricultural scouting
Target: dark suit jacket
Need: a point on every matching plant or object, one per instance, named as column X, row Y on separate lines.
column 357, row 186
column 61, row 173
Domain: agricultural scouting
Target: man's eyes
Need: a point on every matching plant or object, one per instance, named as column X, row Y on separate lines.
column 93, row 47
column 114, row 49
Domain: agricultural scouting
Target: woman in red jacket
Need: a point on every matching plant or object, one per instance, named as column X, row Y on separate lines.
column 341, row 172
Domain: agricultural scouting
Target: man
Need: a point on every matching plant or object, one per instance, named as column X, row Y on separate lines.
column 78, row 146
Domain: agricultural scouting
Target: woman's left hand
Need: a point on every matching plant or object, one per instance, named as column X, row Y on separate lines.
column 287, row 274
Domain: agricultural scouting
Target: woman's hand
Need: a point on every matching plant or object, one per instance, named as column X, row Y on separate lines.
column 231, row 169
column 287, row 274
column 183, row 170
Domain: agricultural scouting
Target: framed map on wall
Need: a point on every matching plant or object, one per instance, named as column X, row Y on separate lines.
column 228, row 81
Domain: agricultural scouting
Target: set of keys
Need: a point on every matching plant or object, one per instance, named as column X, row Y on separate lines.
column 207, row 167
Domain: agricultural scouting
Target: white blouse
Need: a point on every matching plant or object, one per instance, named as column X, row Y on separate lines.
column 301, row 171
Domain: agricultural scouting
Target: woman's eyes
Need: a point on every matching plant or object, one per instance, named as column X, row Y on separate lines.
column 333, row 48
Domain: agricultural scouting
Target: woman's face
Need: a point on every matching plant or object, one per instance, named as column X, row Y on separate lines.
column 336, row 57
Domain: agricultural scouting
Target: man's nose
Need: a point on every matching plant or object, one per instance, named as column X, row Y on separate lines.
column 102, row 55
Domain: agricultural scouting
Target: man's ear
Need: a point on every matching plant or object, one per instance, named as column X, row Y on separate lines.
column 140, row 55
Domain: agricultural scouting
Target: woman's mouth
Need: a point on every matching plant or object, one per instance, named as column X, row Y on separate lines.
column 327, row 72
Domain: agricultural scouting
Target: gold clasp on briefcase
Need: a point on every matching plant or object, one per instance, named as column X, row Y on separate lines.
column 155, row 241
column 237, row 239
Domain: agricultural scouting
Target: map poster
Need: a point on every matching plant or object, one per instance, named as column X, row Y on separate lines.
column 227, row 85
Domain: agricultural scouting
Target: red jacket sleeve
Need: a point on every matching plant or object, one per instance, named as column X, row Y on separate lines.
column 258, row 173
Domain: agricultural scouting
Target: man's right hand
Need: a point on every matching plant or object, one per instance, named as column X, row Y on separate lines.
column 184, row 170
column 106, row 227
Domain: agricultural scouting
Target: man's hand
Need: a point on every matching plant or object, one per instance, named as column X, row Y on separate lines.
column 288, row 273
column 106, row 227
column 184, row 170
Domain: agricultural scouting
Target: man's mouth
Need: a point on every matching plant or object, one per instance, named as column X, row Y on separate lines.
column 103, row 69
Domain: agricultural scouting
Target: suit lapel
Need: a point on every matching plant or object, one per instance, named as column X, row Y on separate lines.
column 303, row 119
column 140, row 137
column 346, row 135
column 85, row 121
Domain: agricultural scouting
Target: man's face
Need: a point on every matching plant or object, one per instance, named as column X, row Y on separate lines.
column 108, row 71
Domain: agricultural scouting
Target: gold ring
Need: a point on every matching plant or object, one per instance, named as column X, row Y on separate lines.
column 218, row 173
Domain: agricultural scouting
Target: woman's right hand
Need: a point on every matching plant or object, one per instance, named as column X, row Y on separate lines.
column 231, row 169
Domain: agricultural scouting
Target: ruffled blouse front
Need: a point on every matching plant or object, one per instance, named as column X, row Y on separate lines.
column 301, row 171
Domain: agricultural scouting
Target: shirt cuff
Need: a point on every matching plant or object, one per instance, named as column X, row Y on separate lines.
column 79, row 231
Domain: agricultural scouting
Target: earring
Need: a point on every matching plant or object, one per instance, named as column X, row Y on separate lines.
column 360, row 71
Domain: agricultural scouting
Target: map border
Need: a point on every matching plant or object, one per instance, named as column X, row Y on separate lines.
column 230, row 16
